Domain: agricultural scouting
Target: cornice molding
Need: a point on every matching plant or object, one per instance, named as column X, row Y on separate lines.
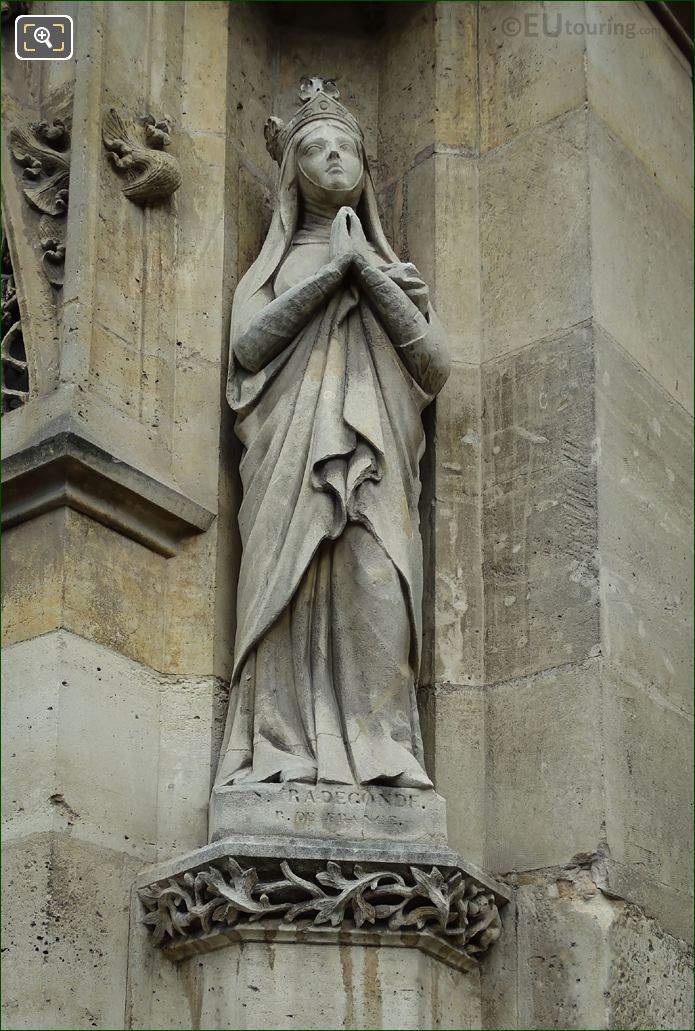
column 67, row 470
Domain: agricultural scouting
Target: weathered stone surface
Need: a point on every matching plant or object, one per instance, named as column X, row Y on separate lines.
column 530, row 73
column 452, row 541
column 67, row 470
column 544, row 788
column 249, row 87
column 582, row 959
column 453, row 726
column 632, row 222
column 651, row 979
column 86, row 732
column 65, row 934
column 539, row 508
column 339, row 811
column 456, row 76
column 406, row 84
column 321, row 986
column 645, row 483
column 442, row 228
column 534, row 236
column 641, row 89
column 69, row 571
column 649, row 799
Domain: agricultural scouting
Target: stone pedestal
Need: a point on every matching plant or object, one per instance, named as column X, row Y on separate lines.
column 335, row 811
column 308, row 933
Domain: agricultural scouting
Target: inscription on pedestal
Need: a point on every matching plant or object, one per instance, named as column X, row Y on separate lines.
column 348, row 807
column 328, row 810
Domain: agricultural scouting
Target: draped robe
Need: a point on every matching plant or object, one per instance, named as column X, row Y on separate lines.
column 330, row 585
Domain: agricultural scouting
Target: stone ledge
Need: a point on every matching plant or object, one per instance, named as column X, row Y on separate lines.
column 314, row 891
column 68, row 470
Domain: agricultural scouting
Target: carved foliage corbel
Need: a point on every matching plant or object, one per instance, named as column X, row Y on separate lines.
column 151, row 174
column 43, row 149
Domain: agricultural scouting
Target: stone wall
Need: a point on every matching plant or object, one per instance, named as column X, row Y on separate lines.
column 542, row 183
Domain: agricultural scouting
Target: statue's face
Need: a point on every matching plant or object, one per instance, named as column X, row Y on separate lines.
column 330, row 157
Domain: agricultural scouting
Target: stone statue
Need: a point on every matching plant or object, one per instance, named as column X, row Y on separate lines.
column 335, row 352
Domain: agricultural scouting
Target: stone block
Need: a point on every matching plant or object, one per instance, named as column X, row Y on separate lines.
column 544, row 776
column 563, row 954
column 453, row 726
column 187, row 757
column 531, row 68
column 81, row 721
column 196, row 430
column 253, row 200
column 587, row 960
column 441, row 222
column 65, row 933
column 645, row 483
column 317, row 986
column 641, row 244
column 65, row 569
column 105, row 748
column 33, row 564
column 499, row 977
column 640, row 87
column 330, row 811
column 189, row 610
column 406, row 90
column 540, row 524
column 450, row 522
column 125, row 56
column 534, row 236
column 204, row 66
column 456, row 81
column 649, row 800
column 651, row 975
column 201, row 250
column 113, row 590
column 457, row 595
column 116, row 371
column 249, row 86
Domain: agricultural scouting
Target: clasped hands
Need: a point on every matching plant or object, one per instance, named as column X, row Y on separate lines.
column 348, row 247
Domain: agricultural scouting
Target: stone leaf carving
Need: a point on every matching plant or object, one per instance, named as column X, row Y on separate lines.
column 43, row 149
column 410, row 899
column 151, row 174
column 15, row 370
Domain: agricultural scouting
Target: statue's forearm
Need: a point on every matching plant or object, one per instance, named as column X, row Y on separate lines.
column 277, row 323
column 419, row 344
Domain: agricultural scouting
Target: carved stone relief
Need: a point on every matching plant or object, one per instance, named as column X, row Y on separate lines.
column 15, row 370
column 444, row 911
column 151, row 174
column 43, row 148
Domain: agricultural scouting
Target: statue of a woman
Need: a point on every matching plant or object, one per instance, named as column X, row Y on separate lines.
column 335, row 351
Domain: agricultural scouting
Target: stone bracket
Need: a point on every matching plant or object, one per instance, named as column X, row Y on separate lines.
column 308, row 890
column 67, row 470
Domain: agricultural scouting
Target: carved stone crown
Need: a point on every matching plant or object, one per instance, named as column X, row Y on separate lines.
column 319, row 99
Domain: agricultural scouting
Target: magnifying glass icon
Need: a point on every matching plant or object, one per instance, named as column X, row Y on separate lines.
column 42, row 35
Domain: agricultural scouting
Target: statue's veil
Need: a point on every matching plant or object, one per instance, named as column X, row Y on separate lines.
column 284, row 225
